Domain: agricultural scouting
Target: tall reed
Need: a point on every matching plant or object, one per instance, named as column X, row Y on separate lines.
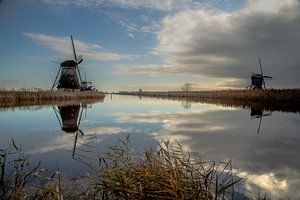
column 168, row 173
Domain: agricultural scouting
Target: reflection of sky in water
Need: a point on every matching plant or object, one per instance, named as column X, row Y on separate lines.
column 268, row 159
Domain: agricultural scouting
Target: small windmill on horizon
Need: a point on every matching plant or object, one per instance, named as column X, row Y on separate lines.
column 258, row 80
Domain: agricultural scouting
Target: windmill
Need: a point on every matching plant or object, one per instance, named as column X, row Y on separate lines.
column 68, row 75
column 68, row 119
column 258, row 80
column 258, row 113
column 85, row 147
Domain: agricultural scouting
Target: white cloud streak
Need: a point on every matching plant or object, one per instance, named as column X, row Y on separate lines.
column 62, row 45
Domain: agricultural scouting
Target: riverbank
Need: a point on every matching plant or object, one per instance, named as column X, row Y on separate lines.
column 285, row 100
column 25, row 98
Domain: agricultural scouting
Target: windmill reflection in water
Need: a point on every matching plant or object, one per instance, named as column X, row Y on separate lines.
column 85, row 148
column 258, row 113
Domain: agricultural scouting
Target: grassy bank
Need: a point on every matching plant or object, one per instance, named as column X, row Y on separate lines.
column 26, row 98
column 168, row 173
column 287, row 100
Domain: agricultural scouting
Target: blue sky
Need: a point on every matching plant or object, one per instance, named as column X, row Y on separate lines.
column 153, row 44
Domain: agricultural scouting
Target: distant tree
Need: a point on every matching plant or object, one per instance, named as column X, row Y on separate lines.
column 187, row 87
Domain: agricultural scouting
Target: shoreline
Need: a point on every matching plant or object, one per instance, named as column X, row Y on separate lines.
column 285, row 100
column 22, row 98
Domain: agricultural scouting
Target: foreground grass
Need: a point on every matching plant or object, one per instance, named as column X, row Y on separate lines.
column 168, row 173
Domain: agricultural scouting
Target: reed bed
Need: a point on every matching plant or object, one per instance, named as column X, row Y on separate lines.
column 260, row 95
column 280, row 106
column 16, row 98
column 167, row 173
column 286, row 100
column 21, row 179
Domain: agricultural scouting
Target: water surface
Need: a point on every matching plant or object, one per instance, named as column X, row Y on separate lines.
column 263, row 146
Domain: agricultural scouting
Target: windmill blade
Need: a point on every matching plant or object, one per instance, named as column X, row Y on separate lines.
column 263, row 80
column 255, row 117
column 79, row 74
column 56, row 78
column 55, row 62
column 82, row 133
column 267, row 114
column 74, row 51
column 268, row 77
column 261, row 71
column 75, row 143
column 258, row 129
column 79, row 59
column 56, row 114
column 80, row 118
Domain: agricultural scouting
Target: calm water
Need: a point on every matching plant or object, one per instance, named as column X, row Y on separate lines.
column 267, row 158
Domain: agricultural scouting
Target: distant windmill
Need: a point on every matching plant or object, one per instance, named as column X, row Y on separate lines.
column 67, row 75
column 258, row 80
column 258, row 113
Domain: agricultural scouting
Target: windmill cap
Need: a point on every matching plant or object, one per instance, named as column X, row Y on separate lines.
column 69, row 63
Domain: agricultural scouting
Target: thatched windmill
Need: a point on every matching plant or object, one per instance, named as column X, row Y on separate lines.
column 68, row 75
column 258, row 80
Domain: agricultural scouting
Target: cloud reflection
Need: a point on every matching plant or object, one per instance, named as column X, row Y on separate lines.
column 267, row 161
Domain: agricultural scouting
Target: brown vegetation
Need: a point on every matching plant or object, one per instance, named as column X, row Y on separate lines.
column 27, row 98
column 168, row 173
column 287, row 100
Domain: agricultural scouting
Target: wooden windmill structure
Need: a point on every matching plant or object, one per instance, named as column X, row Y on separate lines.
column 68, row 76
column 258, row 80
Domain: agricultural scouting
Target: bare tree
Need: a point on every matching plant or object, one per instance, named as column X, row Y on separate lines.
column 187, row 87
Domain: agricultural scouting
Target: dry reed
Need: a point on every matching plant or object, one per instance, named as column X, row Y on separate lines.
column 169, row 173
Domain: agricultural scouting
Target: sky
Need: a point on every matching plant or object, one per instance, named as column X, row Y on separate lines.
column 151, row 44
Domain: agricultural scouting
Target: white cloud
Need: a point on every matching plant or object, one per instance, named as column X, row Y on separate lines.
column 268, row 182
column 62, row 45
column 227, row 45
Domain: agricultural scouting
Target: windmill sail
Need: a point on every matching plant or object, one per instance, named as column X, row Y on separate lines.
column 258, row 80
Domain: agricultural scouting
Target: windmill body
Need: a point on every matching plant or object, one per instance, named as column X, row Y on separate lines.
column 68, row 75
column 256, row 81
column 69, row 118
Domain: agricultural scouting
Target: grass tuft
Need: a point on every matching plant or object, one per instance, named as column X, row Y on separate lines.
column 168, row 173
